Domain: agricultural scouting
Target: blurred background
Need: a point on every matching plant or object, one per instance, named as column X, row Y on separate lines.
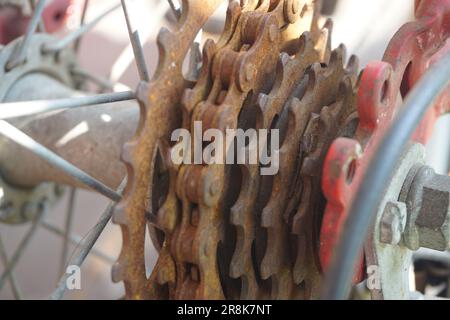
column 365, row 27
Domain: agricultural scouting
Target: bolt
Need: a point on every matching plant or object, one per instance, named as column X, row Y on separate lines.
column 393, row 222
column 433, row 220
column 429, row 210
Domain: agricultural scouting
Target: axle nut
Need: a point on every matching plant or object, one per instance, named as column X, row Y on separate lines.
column 434, row 215
column 428, row 204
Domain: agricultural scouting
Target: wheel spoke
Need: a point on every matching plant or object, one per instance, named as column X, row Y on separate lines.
column 75, row 240
column 26, row 108
column 87, row 244
column 71, row 37
column 432, row 255
column 12, row 277
column 135, row 42
column 126, row 57
column 68, row 229
column 25, row 141
column 18, row 57
column 82, row 20
column 41, row 26
column 22, row 246
column 176, row 8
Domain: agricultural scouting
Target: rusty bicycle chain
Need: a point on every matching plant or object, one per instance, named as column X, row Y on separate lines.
column 235, row 43
column 160, row 207
column 249, row 287
column 234, row 70
column 191, row 98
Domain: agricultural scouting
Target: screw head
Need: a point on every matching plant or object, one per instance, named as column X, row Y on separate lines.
column 428, row 204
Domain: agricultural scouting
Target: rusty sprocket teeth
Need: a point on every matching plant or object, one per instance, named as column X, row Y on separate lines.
column 159, row 108
column 211, row 234
column 335, row 120
column 270, row 105
column 228, row 86
column 209, row 200
column 321, row 89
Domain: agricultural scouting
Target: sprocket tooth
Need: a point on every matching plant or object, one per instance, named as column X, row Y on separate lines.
column 237, row 265
column 352, row 65
column 266, row 268
column 323, row 44
column 326, row 115
column 267, row 216
column 119, row 214
column 337, row 57
column 117, row 271
column 234, row 10
column 128, row 151
column 166, row 274
column 164, row 40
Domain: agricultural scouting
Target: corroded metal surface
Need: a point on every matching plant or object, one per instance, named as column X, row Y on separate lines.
column 226, row 231
column 160, row 100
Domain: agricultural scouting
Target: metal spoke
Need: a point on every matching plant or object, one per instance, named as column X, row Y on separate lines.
column 64, row 42
column 75, row 240
column 127, row 57
column 432, row 255
column 87, row 244
column 82, row 20
column 26, row 108
column 176, row 8
column 67, row 229
column 24, row 140
column 19, row 56
column 12, row 277
column 41, row 26
column 22, row 246
column 136, row 43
